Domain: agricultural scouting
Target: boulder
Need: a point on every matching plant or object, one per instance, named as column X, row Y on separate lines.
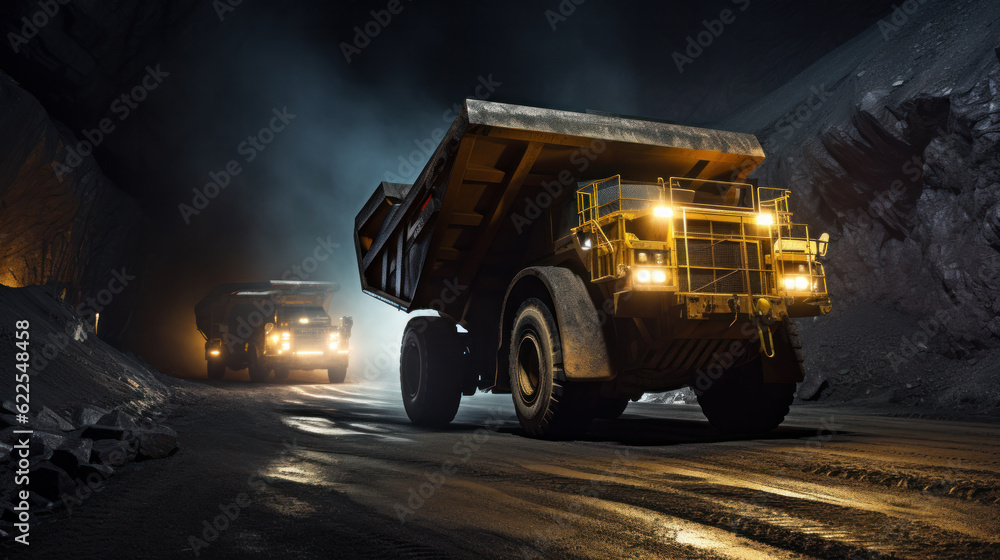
column 88, row 415
column 157, row 443
column 49, row 420
column 118, row 419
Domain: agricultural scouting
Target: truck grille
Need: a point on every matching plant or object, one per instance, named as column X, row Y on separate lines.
column 716, row 266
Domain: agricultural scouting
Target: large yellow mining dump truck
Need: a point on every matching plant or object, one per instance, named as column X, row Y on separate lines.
column 590, row 259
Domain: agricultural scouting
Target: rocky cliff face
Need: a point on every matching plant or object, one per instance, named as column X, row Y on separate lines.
column 891, row 144
column 63, row 223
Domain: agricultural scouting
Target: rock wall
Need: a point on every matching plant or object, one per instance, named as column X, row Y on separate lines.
column 892, row 144
column 62, row 222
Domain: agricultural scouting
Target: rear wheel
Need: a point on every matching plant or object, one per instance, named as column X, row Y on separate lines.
column 547, row 404
column 429, row 371
column 610, row 408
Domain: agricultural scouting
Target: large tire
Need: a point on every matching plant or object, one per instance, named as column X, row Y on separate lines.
column 216, row 369
column 547, row 404
column 258, row 371
column 430, row 371
column 740, row 403
column 610, row 408
column 337, row 374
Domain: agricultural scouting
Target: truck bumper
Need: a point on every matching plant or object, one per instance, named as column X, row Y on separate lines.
column 306, row 361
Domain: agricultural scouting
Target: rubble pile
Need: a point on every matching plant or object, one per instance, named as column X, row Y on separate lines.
column 69, row 458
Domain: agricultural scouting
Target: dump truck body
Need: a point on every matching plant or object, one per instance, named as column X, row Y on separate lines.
column 655, row 258
column 276, row 325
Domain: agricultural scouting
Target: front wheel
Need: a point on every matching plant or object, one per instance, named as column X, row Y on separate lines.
column 337, row 374
column 547, row 404
column 744, row 405
column 430, row 371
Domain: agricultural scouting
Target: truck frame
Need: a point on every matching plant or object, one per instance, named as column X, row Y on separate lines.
column 279, row 325
column 591, row 259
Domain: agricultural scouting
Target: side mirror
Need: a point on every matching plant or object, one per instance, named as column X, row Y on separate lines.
column 823, row 245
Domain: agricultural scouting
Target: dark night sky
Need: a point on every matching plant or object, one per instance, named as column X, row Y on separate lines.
column 354, row 120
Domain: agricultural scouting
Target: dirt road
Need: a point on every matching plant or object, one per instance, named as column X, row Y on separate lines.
column 305, row 470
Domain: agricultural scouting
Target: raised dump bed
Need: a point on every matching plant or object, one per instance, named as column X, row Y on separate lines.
column 592, row 258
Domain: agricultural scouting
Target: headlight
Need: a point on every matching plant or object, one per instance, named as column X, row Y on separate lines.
column 285, row 346
column 286, row 335
column 214, row 352
column 304, row 320
column 663, row 212
column 796, row 283
column 642, row 257
column 651, row 275
column 660, row 259
column 765, row 219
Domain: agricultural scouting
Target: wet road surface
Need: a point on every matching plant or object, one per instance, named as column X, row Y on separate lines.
column 303, row 470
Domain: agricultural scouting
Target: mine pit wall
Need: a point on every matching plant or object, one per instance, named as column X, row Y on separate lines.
column 62, row 225
column 892, row 144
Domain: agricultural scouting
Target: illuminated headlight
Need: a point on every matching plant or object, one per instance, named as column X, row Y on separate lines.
column 286, row 335
column 334, row 345
column 642, row 257
column 765, row 219
column 660, row 258
column 796, row 283
column 663, row 212
column 285, row 346
column 214, row 352
column 651, row 275
column 275, row 338
column 304, row 320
